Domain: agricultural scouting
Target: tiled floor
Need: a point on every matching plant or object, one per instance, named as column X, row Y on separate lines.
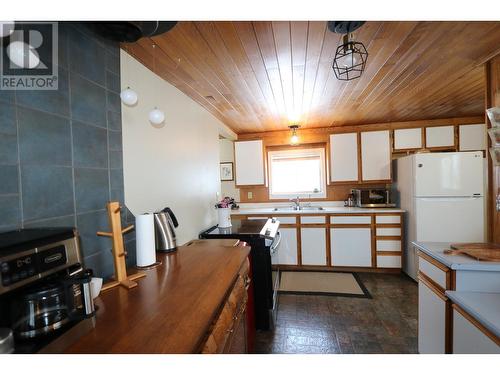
column 387, row 323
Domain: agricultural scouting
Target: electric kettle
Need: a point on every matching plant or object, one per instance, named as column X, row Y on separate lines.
column 165, row 224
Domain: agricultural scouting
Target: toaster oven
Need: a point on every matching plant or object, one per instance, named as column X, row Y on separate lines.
column 372, row 198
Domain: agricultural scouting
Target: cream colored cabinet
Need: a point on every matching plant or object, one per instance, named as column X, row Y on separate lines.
column 431, row 320
column 376, row 155
column 313, row 246
column 351, row 247
column 472, row 137
column 249, row 160
column 468, row 339
column 440, row 136
column 344, row 157
column 287, row 249
column 405, row 139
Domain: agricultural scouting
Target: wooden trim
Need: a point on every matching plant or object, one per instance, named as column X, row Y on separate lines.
column 352, row 214
column 313, row 225
column 476, row 324
column 350, row 225
column 431, row 284
column 388, row 226
column 360, row 167
column 288, row 267
column 299, row 244
column 433, row 261
column 373, row 232
column 387, row 238
column 453, row 280
column 389, row 253
column 328, row 248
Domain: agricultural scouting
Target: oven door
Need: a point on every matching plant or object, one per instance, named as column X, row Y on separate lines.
column 274, row 249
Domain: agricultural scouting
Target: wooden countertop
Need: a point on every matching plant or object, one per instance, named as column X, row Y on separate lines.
column 172, row 308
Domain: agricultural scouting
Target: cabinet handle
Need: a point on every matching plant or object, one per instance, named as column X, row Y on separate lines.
column 230, row 330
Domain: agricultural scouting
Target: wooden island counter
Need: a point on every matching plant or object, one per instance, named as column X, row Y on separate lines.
column 194, row 302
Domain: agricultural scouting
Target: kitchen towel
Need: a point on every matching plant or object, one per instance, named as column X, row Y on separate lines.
column 145, row 239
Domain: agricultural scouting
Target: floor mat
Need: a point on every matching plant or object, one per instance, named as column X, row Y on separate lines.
column 322, row 283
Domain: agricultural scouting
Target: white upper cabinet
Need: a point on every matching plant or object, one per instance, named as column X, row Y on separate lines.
column 440, row 136
column 405, row 139
column 376, row 155
column 249, row 159
column 472, row 137
column 344, row 157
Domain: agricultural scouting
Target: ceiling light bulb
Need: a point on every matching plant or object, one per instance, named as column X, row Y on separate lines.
column 6, row 28
column 23, row 55
column 295, row 139
column 128, row 97
column 156, row 117
column 347, row 61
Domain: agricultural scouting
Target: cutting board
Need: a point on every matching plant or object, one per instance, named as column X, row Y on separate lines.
column 225, row 242
column 489, row 252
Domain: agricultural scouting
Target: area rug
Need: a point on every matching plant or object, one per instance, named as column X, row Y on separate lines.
column 344, row 284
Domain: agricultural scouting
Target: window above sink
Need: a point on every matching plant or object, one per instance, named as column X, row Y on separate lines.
column 297, row 172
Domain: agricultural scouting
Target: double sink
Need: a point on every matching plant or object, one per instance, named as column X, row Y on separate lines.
column 299, row 208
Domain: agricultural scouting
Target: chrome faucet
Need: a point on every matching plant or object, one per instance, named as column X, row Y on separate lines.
column 296, row 201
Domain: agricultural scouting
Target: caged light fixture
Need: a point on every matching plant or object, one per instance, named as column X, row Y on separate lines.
column 350, row 57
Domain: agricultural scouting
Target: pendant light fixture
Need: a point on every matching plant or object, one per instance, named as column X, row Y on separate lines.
column 294, row 139
column 350, row 57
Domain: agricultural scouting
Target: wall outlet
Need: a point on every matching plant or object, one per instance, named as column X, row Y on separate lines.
column 250, row 195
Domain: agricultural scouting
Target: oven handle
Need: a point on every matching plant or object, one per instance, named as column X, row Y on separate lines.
column 276, row 243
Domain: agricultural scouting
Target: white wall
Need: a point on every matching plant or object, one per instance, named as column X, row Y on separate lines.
column 176, row 165
column 228, row 189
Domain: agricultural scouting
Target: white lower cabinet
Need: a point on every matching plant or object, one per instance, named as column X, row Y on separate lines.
column 287, row 251
column 468, row 339
column 351, row 247
column 431, row 321
column 313, row 246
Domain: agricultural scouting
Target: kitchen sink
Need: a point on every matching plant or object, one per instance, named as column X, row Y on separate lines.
column 305, row 208
column 311, row 208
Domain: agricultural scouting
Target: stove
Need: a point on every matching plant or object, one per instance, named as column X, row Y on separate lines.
column 262, row 235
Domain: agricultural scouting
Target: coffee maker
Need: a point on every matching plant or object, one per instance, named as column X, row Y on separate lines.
column 44, row 289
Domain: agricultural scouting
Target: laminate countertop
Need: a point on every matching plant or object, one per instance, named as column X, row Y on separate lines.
column 325, row 211
column 455, row 262
column 172, row 308
column 484, row 307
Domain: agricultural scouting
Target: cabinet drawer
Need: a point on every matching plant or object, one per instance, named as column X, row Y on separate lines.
column 287, row 219
column 313, row 219
column 350, row 219
column 430, row 270
column 386, row 245
column 384, row 219
column 392, row 261
column 388, row 231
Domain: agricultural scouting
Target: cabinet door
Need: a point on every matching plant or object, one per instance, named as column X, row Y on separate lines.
column 431, row 321
column 287, row 250
column 313, row 246
column 375, row 156
column 351, row 247
column 468, row 339
column 440, row 136
column 405, row 139
column 472, row 137
column 344, row 157
column 249, row 159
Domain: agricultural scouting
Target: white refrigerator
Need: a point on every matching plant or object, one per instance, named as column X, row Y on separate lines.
column 443, row 194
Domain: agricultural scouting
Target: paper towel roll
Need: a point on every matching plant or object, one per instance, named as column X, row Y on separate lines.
column 145, row 240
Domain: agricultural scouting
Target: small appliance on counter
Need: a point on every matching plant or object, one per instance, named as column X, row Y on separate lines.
column 372, row 198
column 263, row 236
column 44, row 290
column 165, row 224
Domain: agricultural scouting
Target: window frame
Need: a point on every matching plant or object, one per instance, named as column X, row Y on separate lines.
column 323, row 172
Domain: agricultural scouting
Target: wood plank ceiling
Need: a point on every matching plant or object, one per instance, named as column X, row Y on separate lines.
column 261, row 76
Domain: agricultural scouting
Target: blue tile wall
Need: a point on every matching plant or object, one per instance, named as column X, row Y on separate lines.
column 61, row 151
